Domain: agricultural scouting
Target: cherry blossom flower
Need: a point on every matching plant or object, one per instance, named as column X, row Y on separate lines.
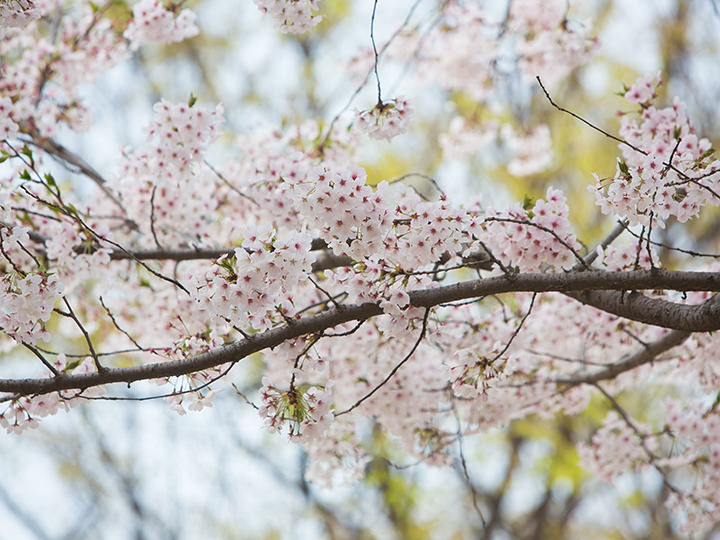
column 291, row 16
column 532, row 152
column 153, row 23
column 385, row 120
column 17, row 13
column 8, row 128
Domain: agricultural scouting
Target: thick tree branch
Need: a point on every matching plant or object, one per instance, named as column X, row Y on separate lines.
column 323, row 262
column 655, row 311
column 645, row 355
column 676, row 316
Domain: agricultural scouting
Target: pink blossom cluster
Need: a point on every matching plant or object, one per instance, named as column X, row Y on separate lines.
column 41, row 75
column 8, row 128
column 644, row 90
column 177, row 138
column 269, row 163
column 386, row 229
column 389, row 222
column 616, row 448
column 536, row 35
column 424, row 231
column 27, row 294
column 533, row 239
column 667, row 171
column 466, row 28
column 386, row 119
column 17, row 13
column 349, row 214
column 291, row 16
column 27, row 303
column 696, row 436
column 531, row 152
column 464, row 139
column 254, row 287
column 156, row 180
column 72, row 268
column 547, row 43
column 154, row 22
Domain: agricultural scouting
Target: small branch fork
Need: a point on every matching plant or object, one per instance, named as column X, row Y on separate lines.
column 686, row 318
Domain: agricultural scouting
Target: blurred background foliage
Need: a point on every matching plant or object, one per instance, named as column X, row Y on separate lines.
column 137, row 470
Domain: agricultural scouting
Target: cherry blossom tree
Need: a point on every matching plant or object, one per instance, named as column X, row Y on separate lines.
column 363, row 299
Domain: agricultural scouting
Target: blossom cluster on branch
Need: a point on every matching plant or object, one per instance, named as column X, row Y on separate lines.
column 364, row 299
column 666, row 169
column 291, row 16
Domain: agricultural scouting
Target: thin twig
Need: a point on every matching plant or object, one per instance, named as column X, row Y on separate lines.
column 372, row 39
column 229, row 184
column 331, row 299
column 365, row 79
column 516, row 332
column 115, row 323
column 37, row 353
column 466, row 473
column 555, row 235
column 586, row 122
column 395, row 369
column 152, row 218
column 72, row 315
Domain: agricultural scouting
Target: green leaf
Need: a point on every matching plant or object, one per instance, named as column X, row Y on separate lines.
column 72, row 365
column 623, row 167
column 707, row 153
column 26, row 219
column 527, row 202
column 25, row 151
column 192, row 100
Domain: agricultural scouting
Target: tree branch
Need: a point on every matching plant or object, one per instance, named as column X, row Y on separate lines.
column 676, row 316
column 70, row 161
column 645, row 355
column 655, row 311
